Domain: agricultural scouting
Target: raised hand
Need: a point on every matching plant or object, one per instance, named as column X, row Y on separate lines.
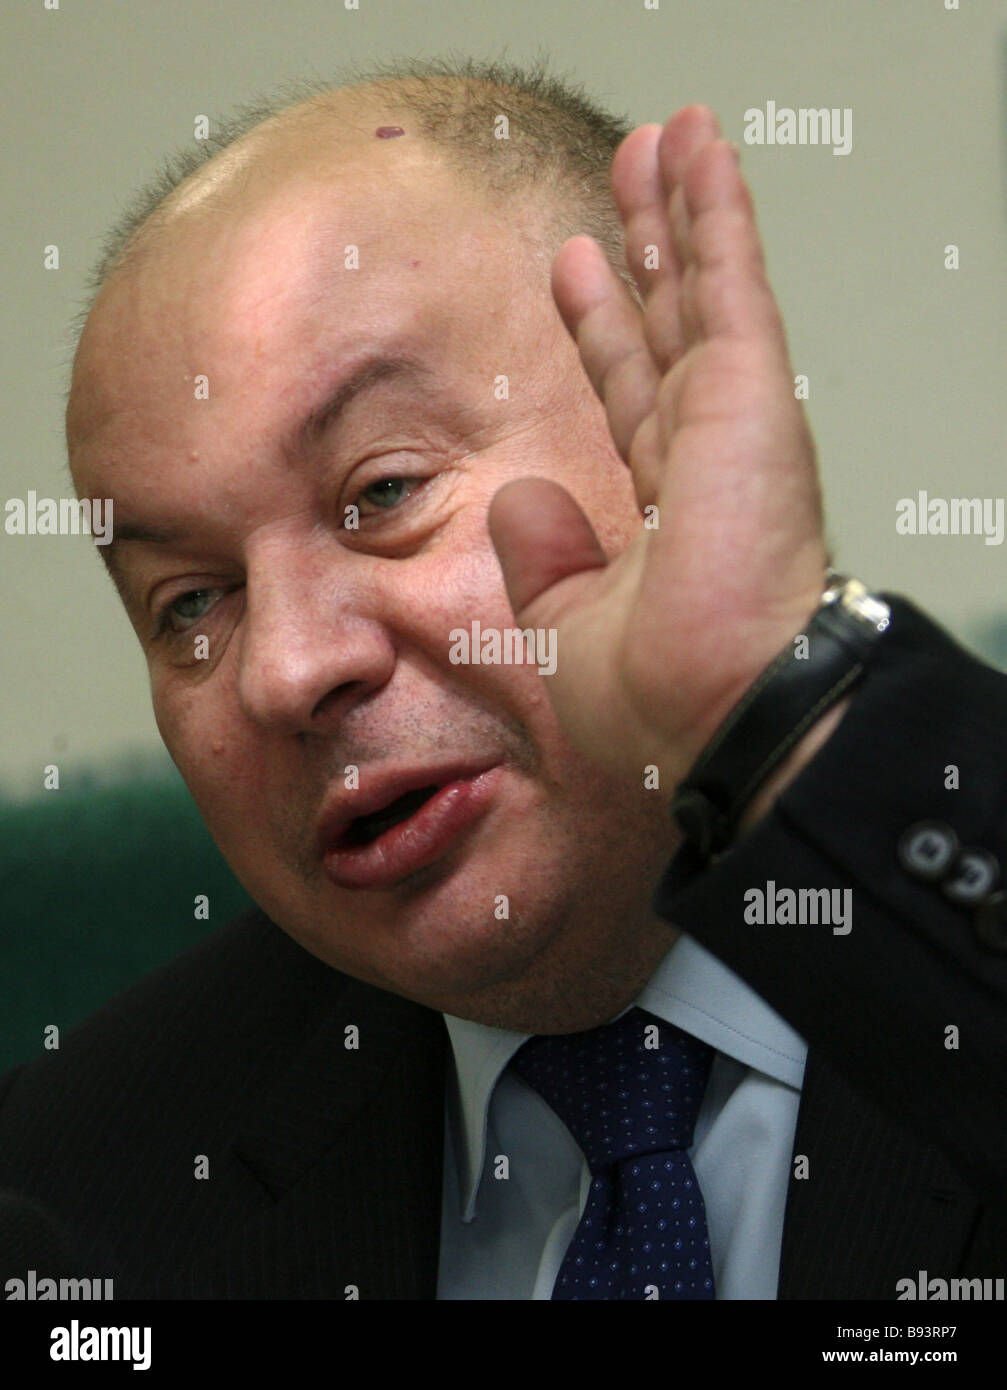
column 656, row 646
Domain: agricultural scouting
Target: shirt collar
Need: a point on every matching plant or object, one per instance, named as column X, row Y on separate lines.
column 481, row 1053
column 690, row 988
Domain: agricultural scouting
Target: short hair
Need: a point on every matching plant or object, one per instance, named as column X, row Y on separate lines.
column 559, row 147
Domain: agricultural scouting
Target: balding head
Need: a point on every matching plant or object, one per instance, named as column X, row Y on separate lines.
column 514, row 129
column 312, row 195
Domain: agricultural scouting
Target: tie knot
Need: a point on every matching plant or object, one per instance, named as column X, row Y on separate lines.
column 629, row 1087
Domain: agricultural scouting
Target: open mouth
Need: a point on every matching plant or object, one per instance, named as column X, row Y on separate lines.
column 367, row 828
column 385, row 847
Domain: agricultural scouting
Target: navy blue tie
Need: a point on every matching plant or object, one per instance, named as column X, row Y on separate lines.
column 629, row 1093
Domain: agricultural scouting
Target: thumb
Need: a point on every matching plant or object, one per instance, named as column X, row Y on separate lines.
column 541, row 536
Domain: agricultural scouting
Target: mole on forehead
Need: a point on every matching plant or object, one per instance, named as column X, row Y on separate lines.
column 387, row 132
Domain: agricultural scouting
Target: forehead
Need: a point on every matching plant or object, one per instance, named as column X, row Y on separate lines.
column 265, row 278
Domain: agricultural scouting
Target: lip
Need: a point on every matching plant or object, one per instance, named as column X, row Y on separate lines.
column 462, row 798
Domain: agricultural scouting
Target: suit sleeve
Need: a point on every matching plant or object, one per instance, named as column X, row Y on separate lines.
column 910, row 1003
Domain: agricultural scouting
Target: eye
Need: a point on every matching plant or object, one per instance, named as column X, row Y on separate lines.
column 187, row 608
column 385, row 494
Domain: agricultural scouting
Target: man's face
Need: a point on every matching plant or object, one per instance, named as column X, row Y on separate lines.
column 514, row 898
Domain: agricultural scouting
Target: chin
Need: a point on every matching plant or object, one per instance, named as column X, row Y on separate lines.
column 436, row 946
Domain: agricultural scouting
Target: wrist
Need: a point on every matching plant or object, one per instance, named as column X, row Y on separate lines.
column 795, row 762
column 781, row 722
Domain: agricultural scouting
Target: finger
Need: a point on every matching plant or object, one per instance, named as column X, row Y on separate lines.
column 541, row 537
column 683, row 136
column 650, row 251
column 732, row 297
column 607, row 326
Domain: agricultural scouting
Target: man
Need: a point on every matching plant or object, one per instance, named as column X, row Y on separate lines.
column 348, row 435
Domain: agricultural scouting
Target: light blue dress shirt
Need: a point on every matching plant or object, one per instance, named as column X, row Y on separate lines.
column 515, row 1182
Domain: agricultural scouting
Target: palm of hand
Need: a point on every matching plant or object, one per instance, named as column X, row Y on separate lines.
column 657, row 645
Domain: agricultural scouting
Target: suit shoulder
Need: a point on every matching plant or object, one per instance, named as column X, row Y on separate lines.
column 222, row 1005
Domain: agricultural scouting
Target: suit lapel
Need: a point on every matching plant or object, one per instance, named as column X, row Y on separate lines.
column 877, row 1205
column 348, row 1143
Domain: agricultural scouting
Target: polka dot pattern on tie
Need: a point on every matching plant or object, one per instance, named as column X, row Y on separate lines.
column 632, row 1107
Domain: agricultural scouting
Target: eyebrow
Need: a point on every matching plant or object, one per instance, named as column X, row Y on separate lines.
column 369, row 373
column 130, row 531
column 307, row 435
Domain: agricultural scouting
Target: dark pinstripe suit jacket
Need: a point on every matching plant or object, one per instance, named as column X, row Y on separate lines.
column 325, row 1164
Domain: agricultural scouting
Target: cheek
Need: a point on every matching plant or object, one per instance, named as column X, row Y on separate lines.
column 467, row 587
column 605, row 493
column 463, row 579
column 200, row 734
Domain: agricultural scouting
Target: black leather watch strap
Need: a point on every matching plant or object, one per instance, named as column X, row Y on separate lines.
column 790, row 696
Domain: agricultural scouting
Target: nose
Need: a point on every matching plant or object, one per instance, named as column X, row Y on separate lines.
column 312, row 643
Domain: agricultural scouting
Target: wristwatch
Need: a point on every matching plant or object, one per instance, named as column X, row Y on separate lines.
column 789, row 697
